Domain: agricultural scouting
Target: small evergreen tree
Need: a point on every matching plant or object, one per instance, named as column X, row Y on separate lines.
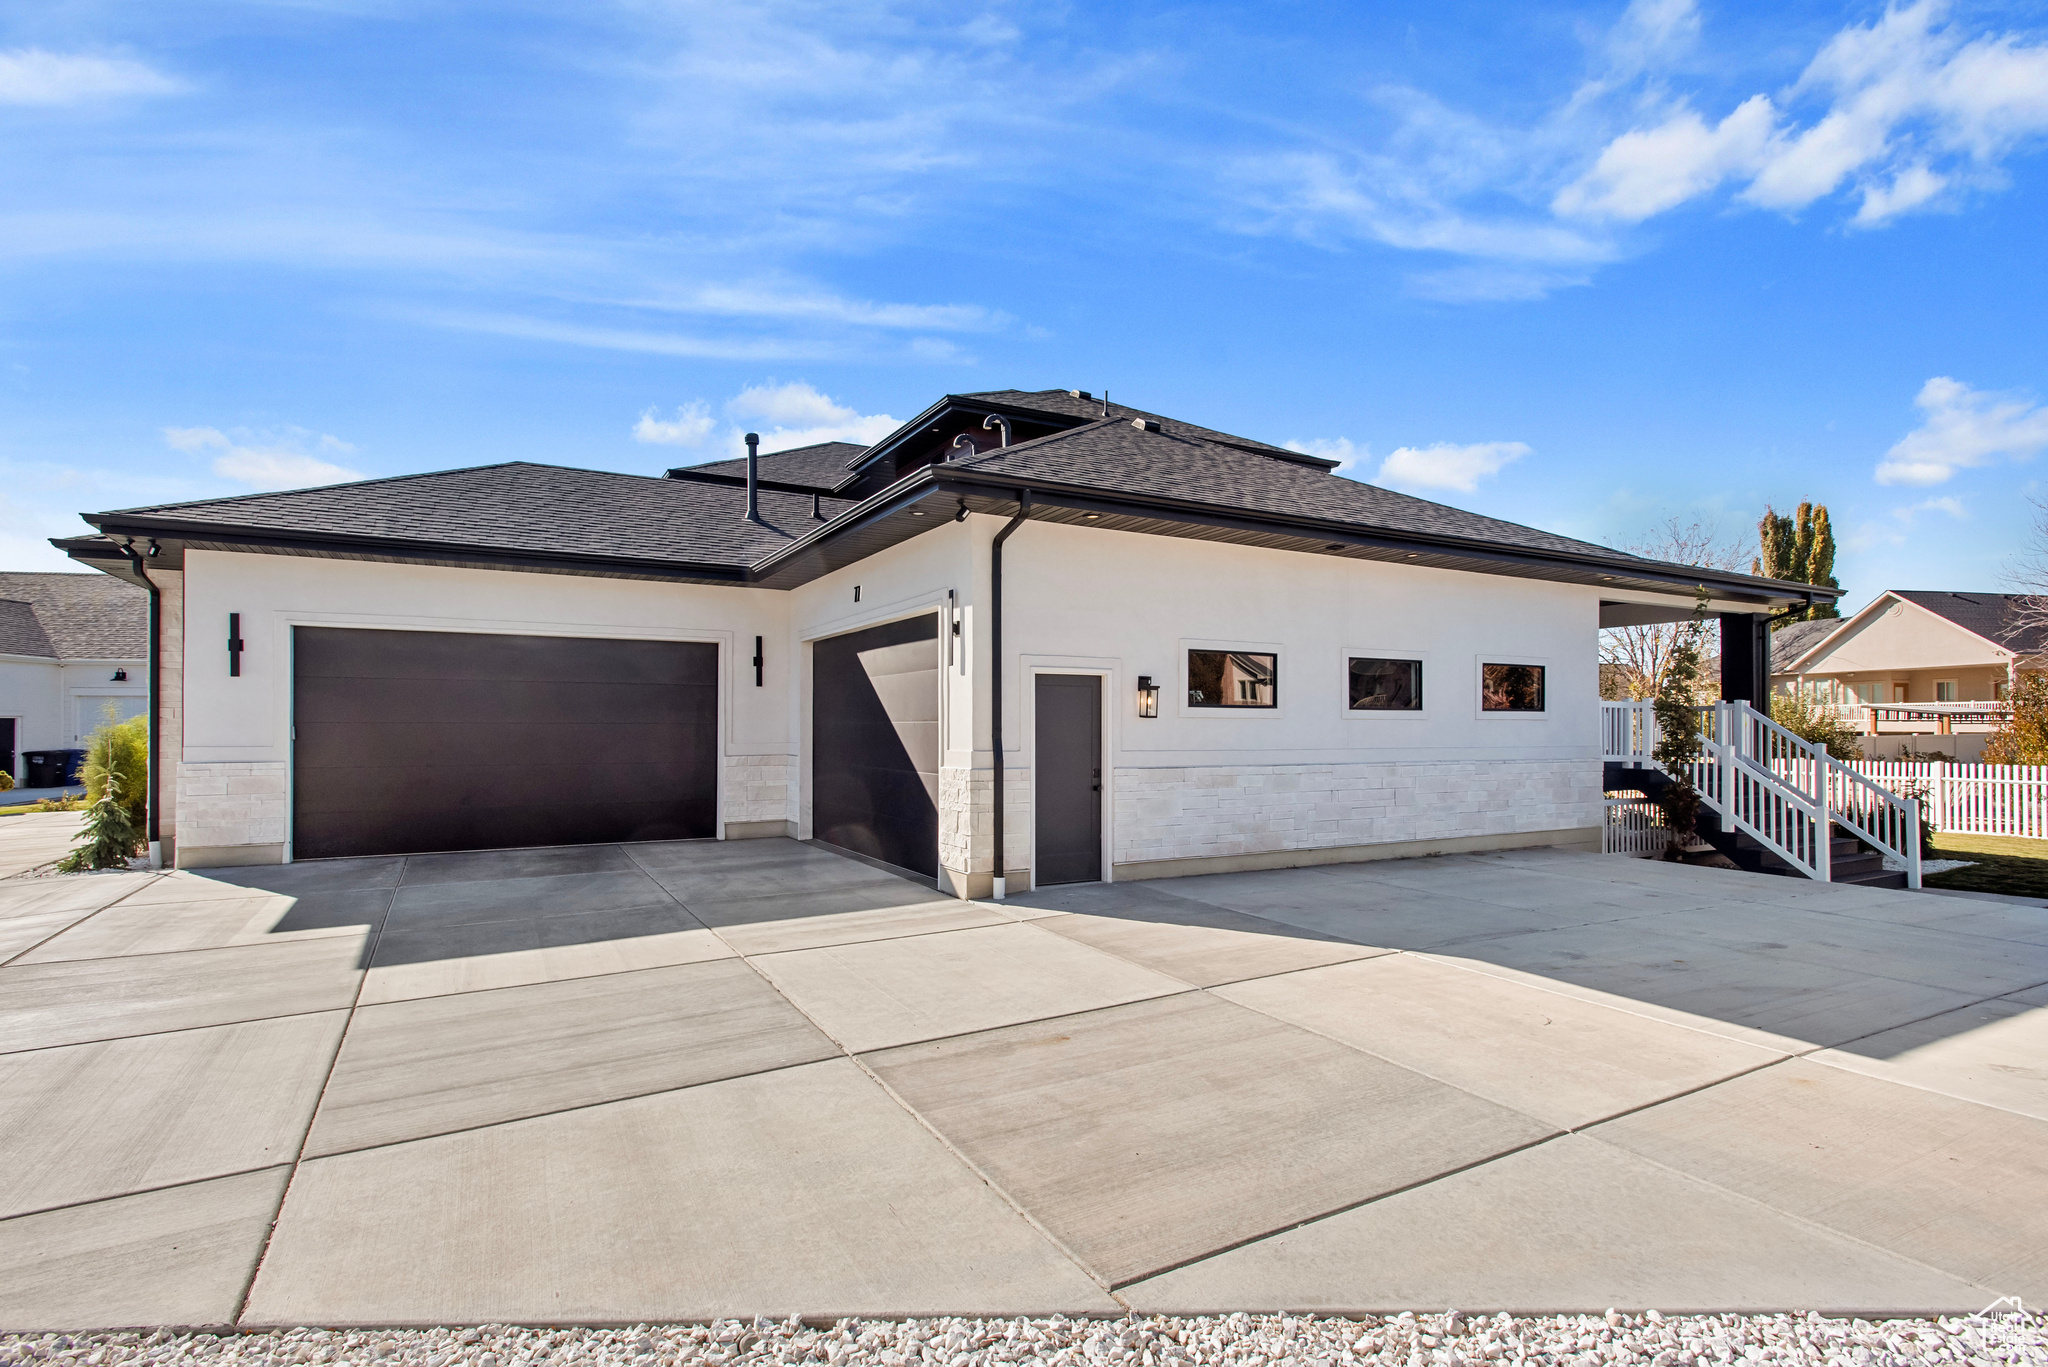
column 2024, row 737
column 109, row 838
column 1678, row 728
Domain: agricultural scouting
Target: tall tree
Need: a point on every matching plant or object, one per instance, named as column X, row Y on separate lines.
column 1799, row 549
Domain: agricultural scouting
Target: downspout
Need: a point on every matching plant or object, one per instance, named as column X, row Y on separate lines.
column 995, row 687
column 156, row 669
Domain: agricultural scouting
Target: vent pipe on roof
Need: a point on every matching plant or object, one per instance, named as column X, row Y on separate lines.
column 961, row 442
column 997, row 420
column 753, row 476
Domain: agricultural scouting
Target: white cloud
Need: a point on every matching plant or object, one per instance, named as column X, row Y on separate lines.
column 1909, row 105
column 1948, row 504
column 691, row 426
column 267, row 460
column 1963, row 427
column 1648, row 171
column 30, row 75
column 785, row 415
column 1447, row 465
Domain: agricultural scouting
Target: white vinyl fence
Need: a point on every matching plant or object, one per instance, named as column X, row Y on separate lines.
column 1634, row 827
column 1970, row 799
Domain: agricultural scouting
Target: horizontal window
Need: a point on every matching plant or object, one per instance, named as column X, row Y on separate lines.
column 1386, row 685
column 1511, row 688
column 1232, row 678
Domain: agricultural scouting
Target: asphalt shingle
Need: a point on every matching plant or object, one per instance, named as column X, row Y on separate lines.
column 1116, row 457
column 72, row 616
column 522, row 508
column 821, row 466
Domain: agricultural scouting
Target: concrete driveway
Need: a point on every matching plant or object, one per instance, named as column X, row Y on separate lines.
column 615, row 1084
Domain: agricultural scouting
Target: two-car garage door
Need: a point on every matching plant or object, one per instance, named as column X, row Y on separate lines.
column 407, row 741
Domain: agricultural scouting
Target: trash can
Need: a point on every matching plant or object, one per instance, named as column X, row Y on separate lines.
column 52, row 768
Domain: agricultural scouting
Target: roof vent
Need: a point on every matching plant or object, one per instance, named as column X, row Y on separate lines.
column 1080, row 393
column 1145, row 424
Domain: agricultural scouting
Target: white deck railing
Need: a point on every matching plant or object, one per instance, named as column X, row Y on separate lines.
column 1785, row 793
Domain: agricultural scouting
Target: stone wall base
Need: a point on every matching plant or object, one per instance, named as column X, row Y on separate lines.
column 759, row 830
column 226, row 856
column 1575, row 838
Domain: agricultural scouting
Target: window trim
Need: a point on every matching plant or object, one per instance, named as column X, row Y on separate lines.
column 1432, row 684
column 1479, row 664
column 1955, row 687
column 1181, row 706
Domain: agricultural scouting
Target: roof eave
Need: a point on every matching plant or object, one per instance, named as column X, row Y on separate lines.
column 339, row 545
column 1392, row 544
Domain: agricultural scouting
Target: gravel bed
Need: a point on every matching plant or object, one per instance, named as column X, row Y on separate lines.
column 1407, row 1340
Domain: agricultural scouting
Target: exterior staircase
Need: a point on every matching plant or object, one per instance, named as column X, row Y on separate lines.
column 1769, row 801
column 1850, row 860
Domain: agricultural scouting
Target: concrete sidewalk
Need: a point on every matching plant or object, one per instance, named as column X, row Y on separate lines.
column 656, row 1082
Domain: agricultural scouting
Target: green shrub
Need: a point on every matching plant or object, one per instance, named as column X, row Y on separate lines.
column 1815, row 725
column 109, row 838
column 2024, row 737
column 6, row 780
column 120, row 747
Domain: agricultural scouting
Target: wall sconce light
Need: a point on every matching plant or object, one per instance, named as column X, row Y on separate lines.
column 1148, row 696
column 120, row 676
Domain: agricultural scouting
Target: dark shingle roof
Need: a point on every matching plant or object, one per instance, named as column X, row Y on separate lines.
column 519, row 508
column 821, row 467
column 590, row 521
column 1117, row 457
column 72, row 616
column 1067, row 405
column 20, row 632
column 1794, row 639
column 1997, row 617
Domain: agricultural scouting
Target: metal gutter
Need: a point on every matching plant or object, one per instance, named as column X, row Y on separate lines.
column 343, row 545
column 995, row 684
column 156, row 681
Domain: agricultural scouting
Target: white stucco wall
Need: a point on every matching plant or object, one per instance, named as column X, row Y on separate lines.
column 57, row 704
column 1310, row 775
column 1310, row 779
column 233, row 784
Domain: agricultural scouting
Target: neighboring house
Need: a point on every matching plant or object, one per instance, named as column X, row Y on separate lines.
column 71, row 646
column 1186, row 651
column 1909, row 664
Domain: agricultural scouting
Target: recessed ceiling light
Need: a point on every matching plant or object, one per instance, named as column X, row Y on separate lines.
column 1090, row 517
column 917, row 512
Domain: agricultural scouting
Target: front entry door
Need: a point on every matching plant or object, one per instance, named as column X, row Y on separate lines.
column 1067, row 774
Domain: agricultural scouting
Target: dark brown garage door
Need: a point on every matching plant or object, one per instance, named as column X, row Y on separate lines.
column 409, row 741
column 875, row 743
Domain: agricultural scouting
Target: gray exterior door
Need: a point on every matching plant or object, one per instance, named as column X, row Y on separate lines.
column 410, row 741
column 1067, row 777
column 875, row 743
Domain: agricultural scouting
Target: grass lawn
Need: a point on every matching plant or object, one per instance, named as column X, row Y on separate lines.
column 2004, row 863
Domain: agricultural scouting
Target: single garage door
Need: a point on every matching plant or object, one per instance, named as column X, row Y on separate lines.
column 875, row 743
column 407, row 741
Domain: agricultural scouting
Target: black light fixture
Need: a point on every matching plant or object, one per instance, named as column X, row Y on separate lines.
column 1148, row 696
column 120, row 676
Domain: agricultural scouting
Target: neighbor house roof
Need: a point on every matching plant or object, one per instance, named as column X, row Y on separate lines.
column 70, row 616
column 1151, row 475
column 1795, row 639
column 1998, row 617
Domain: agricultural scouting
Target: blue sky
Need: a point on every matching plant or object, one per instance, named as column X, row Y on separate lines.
column 1583, row 266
